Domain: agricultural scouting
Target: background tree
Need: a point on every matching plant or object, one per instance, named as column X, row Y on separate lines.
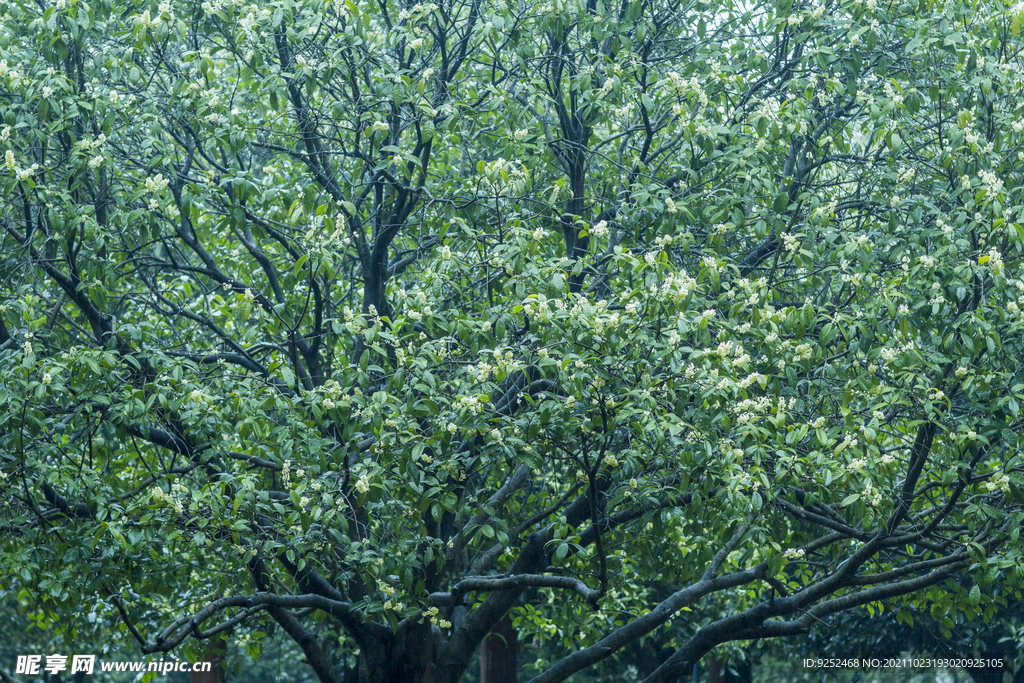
column 380, row 321
column 938, row 632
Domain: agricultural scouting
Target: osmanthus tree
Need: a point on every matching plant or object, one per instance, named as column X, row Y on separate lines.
column 376, row 322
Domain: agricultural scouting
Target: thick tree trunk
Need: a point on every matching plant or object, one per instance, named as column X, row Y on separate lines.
column 408, row 658
column 720, row 672
column 994, row 674
column 216, row 652
column 498, row 653
column 987, row 675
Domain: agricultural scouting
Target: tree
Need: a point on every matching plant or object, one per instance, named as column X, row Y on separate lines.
column 993, row 638
column 379, row 321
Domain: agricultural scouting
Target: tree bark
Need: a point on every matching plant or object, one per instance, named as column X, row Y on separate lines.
column 498, row 653
column 216, row 652
column 720, row 672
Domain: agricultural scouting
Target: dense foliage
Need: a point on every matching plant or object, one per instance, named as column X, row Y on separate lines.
column 373, row 321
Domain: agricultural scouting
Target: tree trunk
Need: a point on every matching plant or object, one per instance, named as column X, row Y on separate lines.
column 216, row 652
column 987, row 675
column 720, row 672
column 498, row 653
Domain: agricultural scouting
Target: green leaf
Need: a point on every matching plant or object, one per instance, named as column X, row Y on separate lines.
column 561, row 551
column 775, row 565
column 781, row 202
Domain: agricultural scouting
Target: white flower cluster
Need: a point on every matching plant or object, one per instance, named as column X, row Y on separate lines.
column 432, row 614
column 750, row 379
column 907, row 174
column 995, row 261
column 1018, row 305
column 1000, row 482
column 992, row 183
column 676, row 287
column 156, row 184
column 353, row 323
column 870, row 494
column 825, row 211
column 891, row 94
column 684, row 87
column 20, row 173
column 750, row 409
column 474, row 404
column 159, row 496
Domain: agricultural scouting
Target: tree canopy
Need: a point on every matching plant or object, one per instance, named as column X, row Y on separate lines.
column 378, row 321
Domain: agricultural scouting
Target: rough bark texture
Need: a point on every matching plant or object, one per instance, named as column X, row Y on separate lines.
column 498, row 654
column 216, row 652
column 721, row 672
